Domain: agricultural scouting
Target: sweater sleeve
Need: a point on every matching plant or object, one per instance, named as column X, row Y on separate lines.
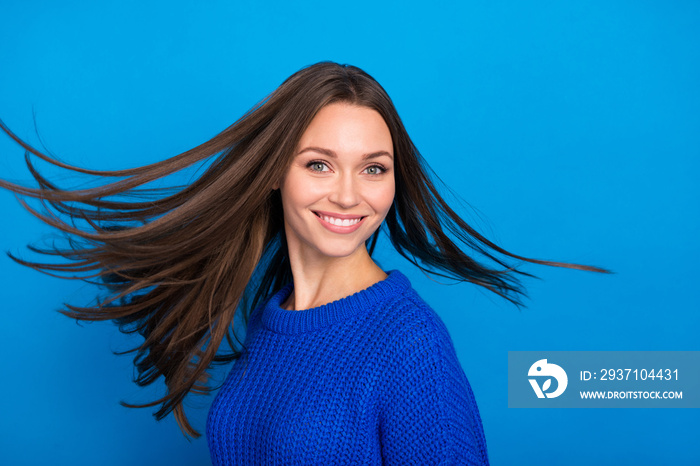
column 429, row 414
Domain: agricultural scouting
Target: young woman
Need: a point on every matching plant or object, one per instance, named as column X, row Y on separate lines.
column 342, row 361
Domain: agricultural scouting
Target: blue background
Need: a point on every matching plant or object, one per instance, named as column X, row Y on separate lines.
column 572, row 128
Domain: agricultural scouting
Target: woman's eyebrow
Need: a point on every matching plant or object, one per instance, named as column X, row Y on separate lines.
column 330, row 153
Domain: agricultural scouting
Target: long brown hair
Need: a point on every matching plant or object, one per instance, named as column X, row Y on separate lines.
column 178, row 265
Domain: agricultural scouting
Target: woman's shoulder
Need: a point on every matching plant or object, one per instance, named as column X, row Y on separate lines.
column 408, row 317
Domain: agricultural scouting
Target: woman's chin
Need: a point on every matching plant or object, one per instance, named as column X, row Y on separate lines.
column 341, row 249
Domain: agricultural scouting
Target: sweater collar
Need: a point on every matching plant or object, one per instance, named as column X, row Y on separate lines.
column 291, row 322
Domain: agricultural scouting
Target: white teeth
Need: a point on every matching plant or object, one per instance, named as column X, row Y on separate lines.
column 341, row 223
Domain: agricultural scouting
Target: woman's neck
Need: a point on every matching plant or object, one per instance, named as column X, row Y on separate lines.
column 339, row 278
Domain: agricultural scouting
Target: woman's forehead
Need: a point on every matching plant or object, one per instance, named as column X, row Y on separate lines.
column 346, row 128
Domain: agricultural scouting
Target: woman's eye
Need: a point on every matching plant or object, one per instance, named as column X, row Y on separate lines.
column 375, row 170
column 317, row 166
column 322, row 167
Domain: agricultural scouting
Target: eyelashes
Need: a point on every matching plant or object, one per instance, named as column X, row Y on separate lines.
column 321, row 162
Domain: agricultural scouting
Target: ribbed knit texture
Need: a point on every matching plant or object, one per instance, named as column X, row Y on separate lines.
column 369, row 379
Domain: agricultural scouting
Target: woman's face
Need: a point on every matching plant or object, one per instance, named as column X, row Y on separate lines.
column 342, row 171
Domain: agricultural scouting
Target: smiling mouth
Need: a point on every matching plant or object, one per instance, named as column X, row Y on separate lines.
column 340, row 221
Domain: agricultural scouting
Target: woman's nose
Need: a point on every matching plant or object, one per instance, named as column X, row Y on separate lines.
column 345, row 192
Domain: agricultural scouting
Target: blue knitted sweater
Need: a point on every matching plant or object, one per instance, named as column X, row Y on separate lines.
column 369, row 379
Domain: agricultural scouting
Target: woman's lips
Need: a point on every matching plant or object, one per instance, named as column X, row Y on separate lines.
column 338, row 228
column 340, row 216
